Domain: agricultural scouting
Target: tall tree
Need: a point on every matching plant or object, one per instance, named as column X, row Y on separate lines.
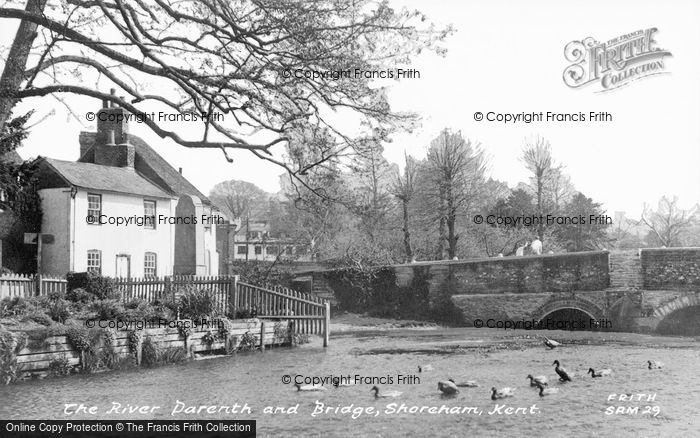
column 456, row 172
column 268, row 66
column 239, row 199
column 404, row 189
column 583, row 236
column 368, row 183
column 537, row 156
column 505, row 238
column 669, row 222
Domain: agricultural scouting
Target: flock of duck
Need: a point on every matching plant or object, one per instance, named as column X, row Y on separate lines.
column 450, row 387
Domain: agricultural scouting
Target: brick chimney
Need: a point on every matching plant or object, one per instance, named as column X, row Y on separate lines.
column 112, row 147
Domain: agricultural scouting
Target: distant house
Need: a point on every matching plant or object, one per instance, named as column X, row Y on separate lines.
column 253, row 240
column 121, row 210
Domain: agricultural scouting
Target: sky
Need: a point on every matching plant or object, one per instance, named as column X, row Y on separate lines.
column 505, row 57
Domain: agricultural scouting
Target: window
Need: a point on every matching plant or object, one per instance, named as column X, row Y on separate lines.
column 258, row 249
column 149, row 213
column 241, row 249
column 94, row 209
column 150, row 262
column 94, row 261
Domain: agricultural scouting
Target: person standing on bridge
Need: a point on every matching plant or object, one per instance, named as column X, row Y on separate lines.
column 536, row 246
column 521, row 249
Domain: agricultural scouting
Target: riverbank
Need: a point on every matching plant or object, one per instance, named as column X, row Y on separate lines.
column 346, row 322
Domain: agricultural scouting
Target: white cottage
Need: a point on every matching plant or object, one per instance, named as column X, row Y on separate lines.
column 122, row 210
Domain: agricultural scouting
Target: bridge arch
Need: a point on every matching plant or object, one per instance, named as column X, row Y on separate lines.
column 575, row 303
column 689, row 300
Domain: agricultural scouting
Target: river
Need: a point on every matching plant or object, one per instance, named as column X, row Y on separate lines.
column 666, row 400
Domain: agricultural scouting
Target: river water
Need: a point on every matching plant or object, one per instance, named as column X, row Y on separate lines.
column 667, row 401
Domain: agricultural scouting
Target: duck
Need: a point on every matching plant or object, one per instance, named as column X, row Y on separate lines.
column 501, row 393
column 600, row 373
column 655, row 364
column 388, row 394
column 448, row 387
column 552, row 344
column 467, row 384
column 310, row 387
column 563, row 374
column 422, row 368
column 547, row 391
column 534, row 381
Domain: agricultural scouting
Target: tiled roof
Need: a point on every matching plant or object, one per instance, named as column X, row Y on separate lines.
column 105, row 178
column 152, row 165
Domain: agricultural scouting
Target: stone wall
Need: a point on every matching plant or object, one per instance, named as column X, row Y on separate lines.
column 530, row 274
column 671, row 268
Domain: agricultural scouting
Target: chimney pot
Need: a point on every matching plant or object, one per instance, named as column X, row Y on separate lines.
column 180, row 170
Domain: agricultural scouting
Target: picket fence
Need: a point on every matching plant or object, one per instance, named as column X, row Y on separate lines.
column 16, row 285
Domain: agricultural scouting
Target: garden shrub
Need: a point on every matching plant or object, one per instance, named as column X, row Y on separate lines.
column 79, row 295
column 96, row 285
column 10, row 345
column 138, row 309
column 78, row 337
column 375, row 291
column 247, row 342
column 59, row 366
column 59, row 310
column 12, row 306
column 108, row 309
column 196, row 303
column 39, row 317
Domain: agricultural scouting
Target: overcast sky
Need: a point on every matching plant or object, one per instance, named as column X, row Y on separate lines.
column 507, row 57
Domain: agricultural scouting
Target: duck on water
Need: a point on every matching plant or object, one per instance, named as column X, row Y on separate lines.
column 502, row 393
column 467, row 384
column 448, row 387
column 310, row 387
column 564, row 375
column 537, row 380
column 388, row 394
column 655, row 364
column 599, row 373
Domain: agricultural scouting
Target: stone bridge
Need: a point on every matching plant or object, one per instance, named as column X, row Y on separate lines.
column 638, row 290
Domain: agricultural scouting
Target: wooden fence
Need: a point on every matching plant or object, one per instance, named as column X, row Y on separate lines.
column 30, row 285
column 308, row 313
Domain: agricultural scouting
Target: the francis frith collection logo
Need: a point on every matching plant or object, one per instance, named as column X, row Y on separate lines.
column 616, row 62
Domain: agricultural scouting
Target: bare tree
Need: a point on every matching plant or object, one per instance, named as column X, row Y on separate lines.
column 537, row 156
column 403, row 188
column 456, row 172
column 239, row 199
column 669, row 221
column 269, row 66
column 558, row 188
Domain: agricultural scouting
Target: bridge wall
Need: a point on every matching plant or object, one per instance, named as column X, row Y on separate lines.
column 514, row 275
column 671, row 268
column 635, row 289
